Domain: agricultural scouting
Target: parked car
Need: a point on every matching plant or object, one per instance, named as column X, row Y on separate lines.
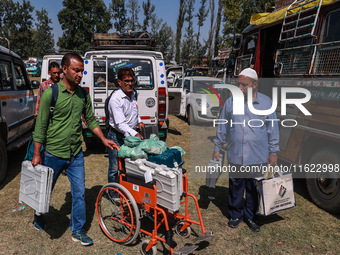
column 17, row 106
column 201, row 98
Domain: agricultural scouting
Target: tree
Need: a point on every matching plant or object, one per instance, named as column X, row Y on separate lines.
column 211, row 30
column 8, row 11
column 119, row 15
column 134, row 9
column 180, row 22
column 236, row 15
column 148, row 11
column 80, row 20
column 43, row 41
column 218, row 27
column 201, row 15
column 231, row 16
column 165, row 40
column 156, row 24
column 189, row 44
column 21, row 43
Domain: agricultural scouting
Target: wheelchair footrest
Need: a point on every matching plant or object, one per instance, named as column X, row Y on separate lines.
column 186, row 250
column 206, row 236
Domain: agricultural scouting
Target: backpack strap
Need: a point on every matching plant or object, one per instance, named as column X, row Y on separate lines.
column 53, row 99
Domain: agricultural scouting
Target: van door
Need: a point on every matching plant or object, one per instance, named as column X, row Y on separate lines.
column 146, row 83
column 175, row 90
column 26, row 100
column 9, row 99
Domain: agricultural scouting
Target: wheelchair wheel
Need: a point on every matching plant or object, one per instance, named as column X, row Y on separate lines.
column 185, row 233
column 144, row 244
column 118, row 214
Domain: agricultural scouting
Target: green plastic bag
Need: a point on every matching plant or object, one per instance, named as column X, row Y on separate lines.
column 180, row 149
column 132, row 141
column 152, row 146
column 137, row 152
column 124, row 151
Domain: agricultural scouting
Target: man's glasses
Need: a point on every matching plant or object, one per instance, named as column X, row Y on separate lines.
column 128, row 81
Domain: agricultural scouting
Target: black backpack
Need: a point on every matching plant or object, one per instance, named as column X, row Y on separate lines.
column 107, row 115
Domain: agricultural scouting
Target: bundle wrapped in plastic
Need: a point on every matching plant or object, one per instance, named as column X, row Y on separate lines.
column 132, row 141
column 178, row 148
column 125, row 152
column 153, row 145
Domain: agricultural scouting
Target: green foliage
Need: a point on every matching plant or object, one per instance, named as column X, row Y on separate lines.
column 148, row 9
column 211, row 30
column 43, row 39
column 188, row 49
column 80, row 20
column 180, row 22
column 201, row 15
column 119, row 15
column 218, row 27
column 134, row 8
column 16, row 25
column 165, row 40
column 236, row 16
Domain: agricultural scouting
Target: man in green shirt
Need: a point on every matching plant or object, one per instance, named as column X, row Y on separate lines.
column 61, row 136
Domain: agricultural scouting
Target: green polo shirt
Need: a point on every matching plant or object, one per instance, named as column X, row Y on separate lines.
column 63, row 135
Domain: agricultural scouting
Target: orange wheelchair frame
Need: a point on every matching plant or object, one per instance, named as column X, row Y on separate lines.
column 118, row 208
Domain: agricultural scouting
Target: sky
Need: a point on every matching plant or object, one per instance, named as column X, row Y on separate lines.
column 165, row 9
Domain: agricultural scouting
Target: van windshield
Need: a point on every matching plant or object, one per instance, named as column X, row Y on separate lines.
column 144, row 78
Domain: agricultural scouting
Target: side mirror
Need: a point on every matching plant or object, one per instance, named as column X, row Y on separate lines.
column 238, row 38
column 35, row 84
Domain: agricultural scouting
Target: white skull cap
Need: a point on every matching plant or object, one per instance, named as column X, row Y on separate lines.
column 249, row 72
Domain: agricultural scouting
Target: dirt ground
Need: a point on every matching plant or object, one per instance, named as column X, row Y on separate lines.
column 304, row 229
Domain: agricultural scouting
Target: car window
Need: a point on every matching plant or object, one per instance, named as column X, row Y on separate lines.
column 199, row 86
column 20, row 78
column 6, row 82
column 144, row 77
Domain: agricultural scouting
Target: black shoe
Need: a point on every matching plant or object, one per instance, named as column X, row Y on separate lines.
column 114, row 195
column 39, row 222
column 233, row 223
column 252, row 225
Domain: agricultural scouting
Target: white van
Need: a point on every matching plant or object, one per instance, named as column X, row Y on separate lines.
column 47, row 60
column 100, row 79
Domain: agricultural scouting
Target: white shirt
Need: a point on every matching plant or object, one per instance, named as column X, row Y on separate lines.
column 123, row 112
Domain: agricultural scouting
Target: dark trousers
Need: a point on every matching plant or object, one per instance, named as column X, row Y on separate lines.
column 237, row 207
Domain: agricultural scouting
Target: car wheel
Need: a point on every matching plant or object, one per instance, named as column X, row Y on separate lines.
column 325, row 190
column 3, row 160
column 190, row 116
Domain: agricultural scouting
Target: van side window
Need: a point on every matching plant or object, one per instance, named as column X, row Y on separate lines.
column 20, row 78
column 331, row 28
column 6, row 82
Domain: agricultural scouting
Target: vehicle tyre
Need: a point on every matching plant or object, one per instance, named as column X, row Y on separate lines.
column 144, row 244
column 190, row 116
column 118, row 213
column 3, row 160
column 325, row 191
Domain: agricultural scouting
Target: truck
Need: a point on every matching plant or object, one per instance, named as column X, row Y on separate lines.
column 112, row 51
column 298, row 45
column 17, row 106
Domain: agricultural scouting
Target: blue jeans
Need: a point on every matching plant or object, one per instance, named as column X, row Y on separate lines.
column 113, row 155
column 76, row 174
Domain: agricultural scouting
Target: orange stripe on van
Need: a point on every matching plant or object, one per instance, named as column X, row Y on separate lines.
column 15, row 96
